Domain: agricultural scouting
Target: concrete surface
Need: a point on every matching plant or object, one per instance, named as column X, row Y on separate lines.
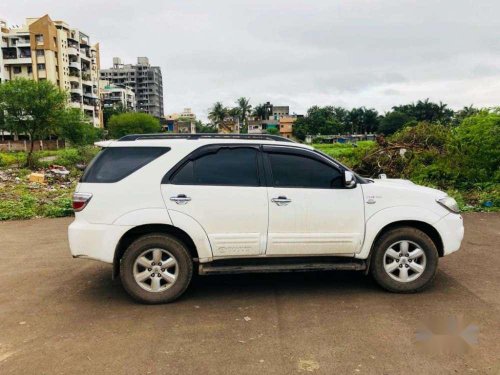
column 60, row 315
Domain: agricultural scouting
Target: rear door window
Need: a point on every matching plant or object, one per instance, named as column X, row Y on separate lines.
column 226, row 167
column 115, row 163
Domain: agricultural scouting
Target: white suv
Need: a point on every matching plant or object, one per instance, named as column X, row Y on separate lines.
column 157, row 206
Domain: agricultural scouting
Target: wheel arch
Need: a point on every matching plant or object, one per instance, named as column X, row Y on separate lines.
column 421, row 225
column 140, row 230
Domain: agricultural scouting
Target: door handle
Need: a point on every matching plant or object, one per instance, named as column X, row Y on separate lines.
column 180, row 199
column 281, row 200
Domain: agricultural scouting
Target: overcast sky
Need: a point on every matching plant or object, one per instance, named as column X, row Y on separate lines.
column 296, row 52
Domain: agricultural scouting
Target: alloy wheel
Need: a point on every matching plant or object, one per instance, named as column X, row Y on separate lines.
column 155, row 270
column 404, row 261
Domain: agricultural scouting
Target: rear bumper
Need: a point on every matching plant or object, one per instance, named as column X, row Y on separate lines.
column 451, row 229
column 94, row 241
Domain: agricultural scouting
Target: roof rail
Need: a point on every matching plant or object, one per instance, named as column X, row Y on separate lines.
column 267, row 137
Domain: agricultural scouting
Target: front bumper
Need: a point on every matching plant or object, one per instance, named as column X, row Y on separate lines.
column 95, row 241
column 451, row 229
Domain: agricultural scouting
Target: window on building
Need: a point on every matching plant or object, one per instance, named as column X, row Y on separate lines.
column 40, row 66
column 30, row 69
column 226, row 166
column 17, row 70
column 40, row 52
column 297, row 171
column 39, row 38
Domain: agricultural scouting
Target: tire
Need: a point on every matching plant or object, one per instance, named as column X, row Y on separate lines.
column 408, row 274
column 169, row 282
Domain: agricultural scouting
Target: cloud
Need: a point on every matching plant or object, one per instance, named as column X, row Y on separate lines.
column 297, row 52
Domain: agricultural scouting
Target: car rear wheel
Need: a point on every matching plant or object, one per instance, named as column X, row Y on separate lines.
column 404, row 260
column 156, row 268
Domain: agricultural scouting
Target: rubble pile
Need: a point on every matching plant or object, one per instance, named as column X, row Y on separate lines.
column 393, row 157
column 51, row 178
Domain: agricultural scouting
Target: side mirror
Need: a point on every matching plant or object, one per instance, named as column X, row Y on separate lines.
column 349, row 180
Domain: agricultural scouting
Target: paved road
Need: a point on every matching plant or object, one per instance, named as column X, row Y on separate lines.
column 60, row 315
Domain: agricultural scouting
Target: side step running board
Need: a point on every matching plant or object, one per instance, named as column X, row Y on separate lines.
column 214, row 268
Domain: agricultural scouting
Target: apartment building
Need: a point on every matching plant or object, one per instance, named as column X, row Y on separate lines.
column 3, row 29
column 114, row 96
column 43, row 49
column 145, row 80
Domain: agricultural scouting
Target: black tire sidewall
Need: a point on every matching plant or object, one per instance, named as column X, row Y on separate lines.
column 172, row 245
column 398, row 234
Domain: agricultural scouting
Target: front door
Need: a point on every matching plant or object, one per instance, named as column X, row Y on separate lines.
column 310, row 210
column 222, row 188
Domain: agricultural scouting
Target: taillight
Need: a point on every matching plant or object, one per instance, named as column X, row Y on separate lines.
column 80, row 200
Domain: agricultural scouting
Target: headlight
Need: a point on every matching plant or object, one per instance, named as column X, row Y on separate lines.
column 449, row 203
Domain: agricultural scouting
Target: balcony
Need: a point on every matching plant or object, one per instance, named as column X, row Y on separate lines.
column 72, row 51
column 90, row 95
column 75, row 65
column 9, row 53
column 87, row 78
column 74, row 78
column 76, row 91
column 23, row 43
column 24, row 53
column 19, row 61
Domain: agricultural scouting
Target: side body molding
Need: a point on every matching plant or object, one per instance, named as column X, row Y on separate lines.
column 386, row 216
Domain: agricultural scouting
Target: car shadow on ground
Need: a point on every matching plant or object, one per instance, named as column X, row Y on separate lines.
column 203, row 288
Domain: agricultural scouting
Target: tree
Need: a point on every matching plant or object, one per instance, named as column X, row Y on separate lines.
column 3, row 124
column 32, row 107
column 426, row 111
column 260, row 111
column 205, row 128
column 76, row 129
column 107, row 112
column 132, row 123
column 362, row 120
column 318, row 121
column 393, row 121
column 474, row 148
column 244, row 109
column 218, row 113
column 273, row 131
column 463, row 113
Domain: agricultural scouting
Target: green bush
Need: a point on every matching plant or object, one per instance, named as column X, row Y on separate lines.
column 475, row 149
column 59, row 207
column 24, row 208
column 72, row 156
column 8, row 159
column 132, row 123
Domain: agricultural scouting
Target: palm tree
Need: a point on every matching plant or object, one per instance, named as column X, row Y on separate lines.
column 217, row 113
column 260, row 111
column 244, row 109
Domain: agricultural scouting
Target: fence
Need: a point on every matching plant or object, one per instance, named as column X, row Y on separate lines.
column 25, row 145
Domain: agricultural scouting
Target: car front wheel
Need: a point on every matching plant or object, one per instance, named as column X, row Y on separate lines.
column 404, row 260
column 156, row 268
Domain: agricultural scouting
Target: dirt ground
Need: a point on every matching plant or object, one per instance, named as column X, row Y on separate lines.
column 60, row 315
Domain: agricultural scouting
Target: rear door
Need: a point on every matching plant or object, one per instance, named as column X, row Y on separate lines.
column 310, row 210
column 222, row 188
